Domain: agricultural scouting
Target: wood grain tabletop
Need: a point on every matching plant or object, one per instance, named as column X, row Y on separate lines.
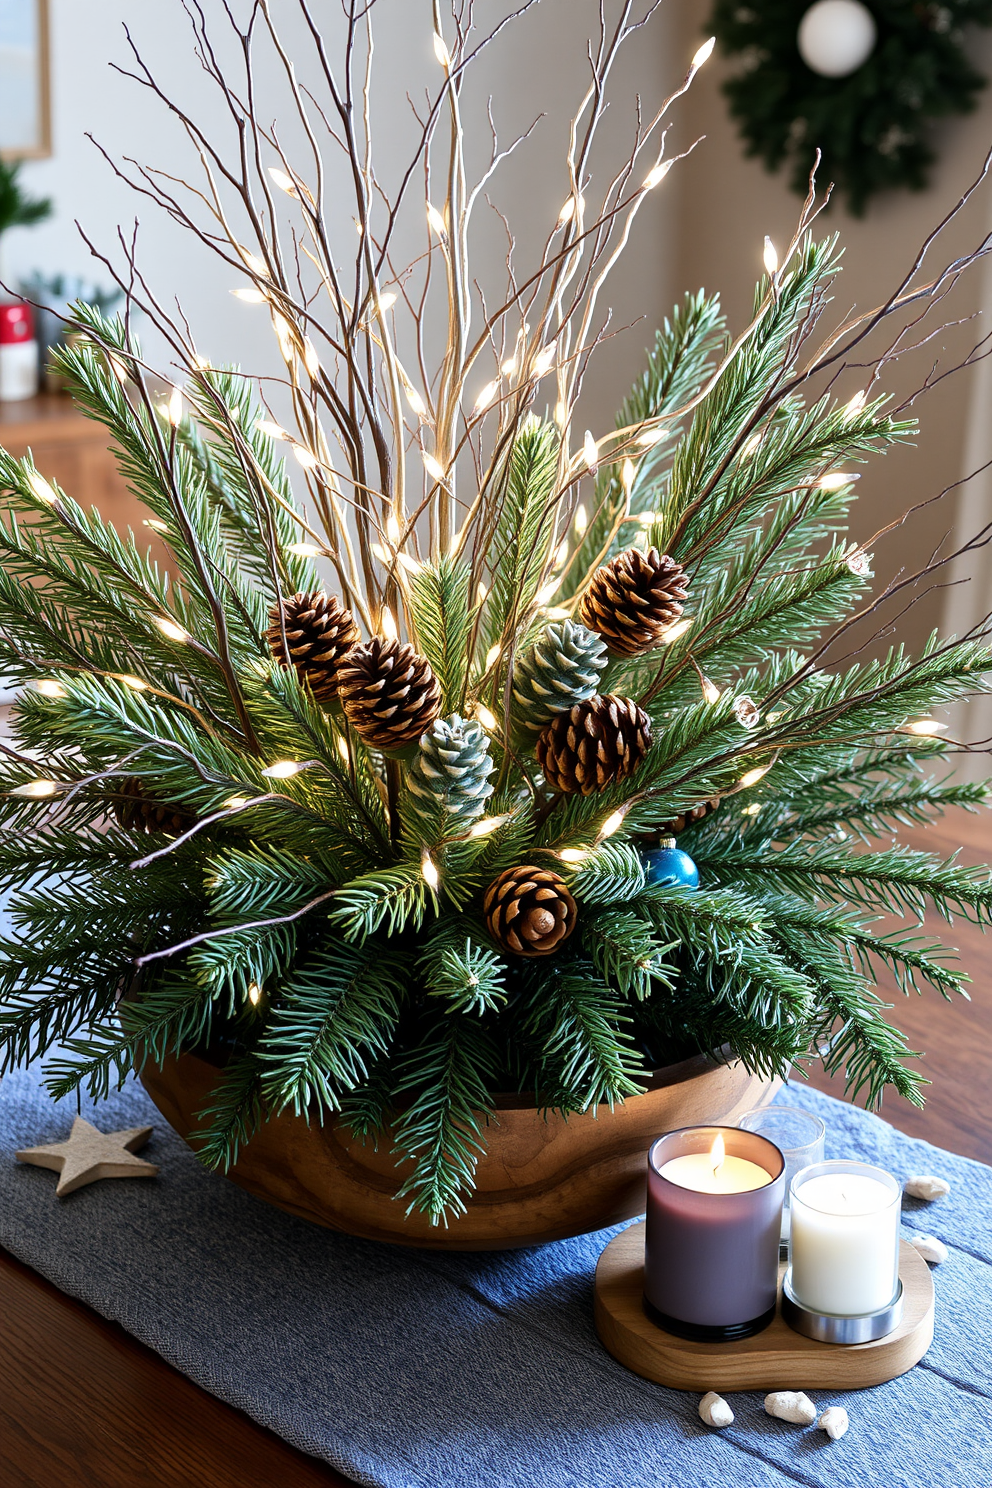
column 83, row 1405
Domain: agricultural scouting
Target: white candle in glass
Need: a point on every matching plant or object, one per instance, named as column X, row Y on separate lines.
column 844, row 1244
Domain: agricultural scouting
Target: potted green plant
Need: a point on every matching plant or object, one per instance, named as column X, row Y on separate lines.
column 354, row 827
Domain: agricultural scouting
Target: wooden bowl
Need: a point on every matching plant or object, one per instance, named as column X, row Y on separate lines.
column 542, row 1177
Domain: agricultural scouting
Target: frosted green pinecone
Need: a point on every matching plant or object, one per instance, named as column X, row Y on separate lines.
column 448, row 783
column 562, row 668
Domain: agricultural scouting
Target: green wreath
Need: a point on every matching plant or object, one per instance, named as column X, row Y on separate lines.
column 872, row 125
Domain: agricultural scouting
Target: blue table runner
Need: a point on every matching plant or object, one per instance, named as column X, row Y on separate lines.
column 406, row 1369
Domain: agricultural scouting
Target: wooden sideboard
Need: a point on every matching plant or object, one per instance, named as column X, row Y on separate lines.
column 72, row 450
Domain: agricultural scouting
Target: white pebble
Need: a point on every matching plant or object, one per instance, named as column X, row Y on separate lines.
column 834, row 1422
column 715, row 1411
column 791, row 1405
column 930, row 1248
column 926, row 1186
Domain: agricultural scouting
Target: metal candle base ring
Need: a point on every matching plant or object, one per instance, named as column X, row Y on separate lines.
column 826, row 1328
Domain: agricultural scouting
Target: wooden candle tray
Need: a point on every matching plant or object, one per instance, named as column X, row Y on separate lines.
column 776, row 1359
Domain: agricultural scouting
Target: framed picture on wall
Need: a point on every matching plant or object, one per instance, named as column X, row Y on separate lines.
column 25, row 116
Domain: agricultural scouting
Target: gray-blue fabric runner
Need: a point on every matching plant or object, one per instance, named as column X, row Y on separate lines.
column 406, row 1369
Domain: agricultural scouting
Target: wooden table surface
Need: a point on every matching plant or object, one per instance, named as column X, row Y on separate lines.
column 83, row 1405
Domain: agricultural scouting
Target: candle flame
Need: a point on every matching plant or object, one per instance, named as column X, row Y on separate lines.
column 717, row 1153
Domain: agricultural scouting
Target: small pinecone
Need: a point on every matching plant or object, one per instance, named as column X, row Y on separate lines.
column 449, row 779
column 319, row 632
column 689, row 818
column 389, row 693
column 633, row 600
column 594, row 744
column 137, row 810
column 562, row 667
column 529, row 911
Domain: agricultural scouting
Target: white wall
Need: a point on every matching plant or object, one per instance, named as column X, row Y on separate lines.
column 540, row 68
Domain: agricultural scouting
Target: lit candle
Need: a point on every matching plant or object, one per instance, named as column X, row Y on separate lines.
column 713, row 1219
column 715, row 1172
column 844, row 1245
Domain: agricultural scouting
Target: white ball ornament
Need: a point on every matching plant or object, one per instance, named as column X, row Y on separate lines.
column 836, row 37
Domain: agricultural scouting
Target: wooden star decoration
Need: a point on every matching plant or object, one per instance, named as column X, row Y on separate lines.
column 89, row 1154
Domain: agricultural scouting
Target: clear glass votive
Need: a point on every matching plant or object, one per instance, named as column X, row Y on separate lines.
column 797, row 1134
column 844, row 1239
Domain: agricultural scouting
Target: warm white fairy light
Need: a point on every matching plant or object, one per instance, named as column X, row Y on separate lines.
column 433, row 466
column 436, row 221
column 481, row 590
column 136, row 684
column 305, row 457
column 613, row 823
column 855, row 405
column 344, row 751
column 386, row 301
column 254, row 994
column 590, row 452
column 254, row 264
column 271, row 430
column 393, row 529
column 249, row 295
column 753, row 776
column 310, row 358
column 646, row 519
column 750, row 445
column 710, row 691
column 676, row 631
column 155, row 524
column 651, row 437
column 486, row 396
column 581, row 520
column 628, row 470
column 752, row 810
column 387, row 624
column 574, row 854
column 174, row 412
column 41, row 488
column 285, row 336
column 859, row 562
column 235, row 803
column 703, row 54
column 657, row 175
column 567, row 212
column 509, row 367
column 493, row 655
column 769, row 257
column 304, row 550
column 202, row 363
column 557, row 612
column 285, row 183
column 925, row 727
column 834, row 479
column 170, row 629
column 36, row 790
column 416, row 402
column 48, row 687
column 486, row 825
column 441, row 51
column 119, row 370
column 428, row 870
column 282, row 770
column 562, row 413
column 485, row 715
column 548, row 592
column 544, row 360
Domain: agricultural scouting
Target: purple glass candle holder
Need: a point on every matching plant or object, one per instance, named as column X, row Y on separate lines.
column 711, row 1259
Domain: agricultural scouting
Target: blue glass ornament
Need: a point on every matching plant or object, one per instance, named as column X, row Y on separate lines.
column 669, row 867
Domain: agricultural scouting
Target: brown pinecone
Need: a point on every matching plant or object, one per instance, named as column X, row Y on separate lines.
column 688, row 818
column 137, row 810
column 593, row 744
column 529, row 911
column 389, row 693
column 319, row 632
column 633, row 600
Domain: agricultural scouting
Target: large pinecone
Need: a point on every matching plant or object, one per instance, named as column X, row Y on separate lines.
column 594, row 744
column 633, row 600
column 529, row 911
column 389, row 693
column 448, row 783
column 319, row 633
column 562, row 667
column 137, row 810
